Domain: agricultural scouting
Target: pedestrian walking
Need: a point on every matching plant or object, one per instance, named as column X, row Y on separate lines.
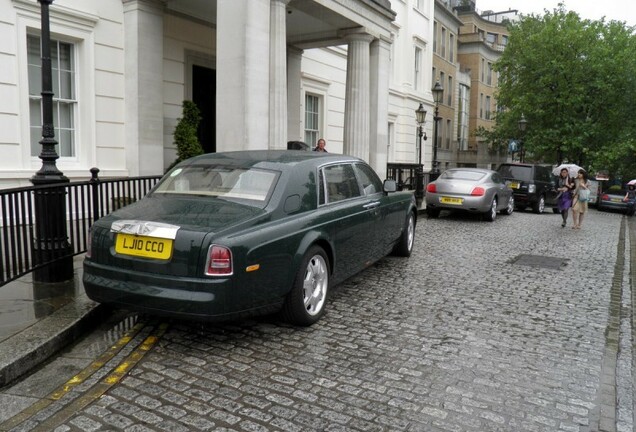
column 581, row 195
column 320, row 146
column 564, row 199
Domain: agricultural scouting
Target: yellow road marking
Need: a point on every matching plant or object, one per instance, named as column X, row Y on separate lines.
column 94, row 392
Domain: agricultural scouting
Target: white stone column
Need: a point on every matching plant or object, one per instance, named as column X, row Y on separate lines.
column 143, row 44
column 242, row 75
column 357, row 96
column 294, row 95
column 278, row 75
column 380, row 65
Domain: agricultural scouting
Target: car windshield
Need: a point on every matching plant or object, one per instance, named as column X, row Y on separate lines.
column 516, row 172
column 250, row 185
column 463, row 175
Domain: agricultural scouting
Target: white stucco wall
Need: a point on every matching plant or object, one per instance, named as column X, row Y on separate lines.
column 324, row 74
column 413, row 27
column 96, row 32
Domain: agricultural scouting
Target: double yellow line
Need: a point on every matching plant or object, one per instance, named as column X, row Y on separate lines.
column 97, row 390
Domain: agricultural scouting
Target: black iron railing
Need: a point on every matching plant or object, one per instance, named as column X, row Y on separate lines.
column 86, row 202
column 406, row 177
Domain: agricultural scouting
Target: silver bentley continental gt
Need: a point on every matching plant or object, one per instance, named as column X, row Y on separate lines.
column 473, row 190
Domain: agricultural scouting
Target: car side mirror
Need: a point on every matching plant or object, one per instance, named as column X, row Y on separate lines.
column 389, row 185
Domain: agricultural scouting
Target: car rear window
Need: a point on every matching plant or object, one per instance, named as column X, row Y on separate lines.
column 516, row 172
column 462, row 175
column 220, row 181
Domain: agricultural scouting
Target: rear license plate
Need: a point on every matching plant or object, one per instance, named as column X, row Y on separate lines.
column 449, row 200
column 142, row 246
column 514, row 185
column 616, row 200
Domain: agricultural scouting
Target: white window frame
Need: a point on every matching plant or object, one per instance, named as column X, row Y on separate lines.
column 417, row 68
column 58, row 101
column 420, row 46
column 315, row 86
column 76, row 28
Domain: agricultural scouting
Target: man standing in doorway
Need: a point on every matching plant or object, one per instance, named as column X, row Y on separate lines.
column 320, row 146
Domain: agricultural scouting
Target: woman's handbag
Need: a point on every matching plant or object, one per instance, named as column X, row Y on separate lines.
column 584, row 195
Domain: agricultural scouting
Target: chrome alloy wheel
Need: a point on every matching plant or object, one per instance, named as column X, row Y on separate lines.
column 410, row 232
column 315, row 285
column 493, row 209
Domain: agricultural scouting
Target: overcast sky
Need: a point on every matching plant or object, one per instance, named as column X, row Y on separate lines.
column 620, row 10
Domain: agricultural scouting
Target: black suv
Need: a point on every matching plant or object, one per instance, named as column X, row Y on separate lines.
column 533, row 185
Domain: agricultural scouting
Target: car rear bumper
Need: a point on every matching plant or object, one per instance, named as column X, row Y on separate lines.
column 469, row 204
column 618, row 206
column 213, row 299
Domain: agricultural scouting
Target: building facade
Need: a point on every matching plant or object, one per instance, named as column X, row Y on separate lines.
column 482, row 39
column 262, row 72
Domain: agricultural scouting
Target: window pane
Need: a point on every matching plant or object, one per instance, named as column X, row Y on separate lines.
column 35, row 80
column 65, row 142
column 341, row 183
column 65, row 120
column 66, row 85
column 66, row 60
column 36, row 136
column 312, row 119
column 35, row 120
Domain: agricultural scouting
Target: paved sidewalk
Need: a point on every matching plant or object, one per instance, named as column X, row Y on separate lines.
column 37, row 320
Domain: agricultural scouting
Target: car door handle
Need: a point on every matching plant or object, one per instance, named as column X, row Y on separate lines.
column 371, row 205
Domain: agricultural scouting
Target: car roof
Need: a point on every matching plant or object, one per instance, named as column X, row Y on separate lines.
column 270, row 159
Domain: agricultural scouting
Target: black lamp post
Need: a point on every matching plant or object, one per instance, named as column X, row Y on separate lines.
column 438, row 92
column 420, row 117
column 522, row 123
column 51, row 240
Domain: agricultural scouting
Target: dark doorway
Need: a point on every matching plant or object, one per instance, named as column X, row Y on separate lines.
column 204, row 96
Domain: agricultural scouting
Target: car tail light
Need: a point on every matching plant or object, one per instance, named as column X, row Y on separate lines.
column 219, row 261
column 605, row 197
column 478, row 191
column 431, row 187
column 532, row 188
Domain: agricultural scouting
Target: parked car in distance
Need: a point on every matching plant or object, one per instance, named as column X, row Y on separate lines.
column 224, row 235
column 533, row 185
column 472, row 190
column 612, row 199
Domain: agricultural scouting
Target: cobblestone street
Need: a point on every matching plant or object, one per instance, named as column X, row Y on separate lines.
column 462, row 336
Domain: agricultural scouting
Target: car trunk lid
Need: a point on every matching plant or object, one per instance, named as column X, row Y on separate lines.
column 162, row 236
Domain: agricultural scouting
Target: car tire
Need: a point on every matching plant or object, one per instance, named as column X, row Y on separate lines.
column 491, row 214
column 432, row 213
column 404, row 246
column 510, row 208
column 539, row 206
column 305, row 303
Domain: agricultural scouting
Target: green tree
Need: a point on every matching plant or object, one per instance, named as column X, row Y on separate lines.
column 185, row 133
column 574, row 80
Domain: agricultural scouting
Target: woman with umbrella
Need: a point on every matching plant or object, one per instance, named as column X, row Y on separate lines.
column 564, row 199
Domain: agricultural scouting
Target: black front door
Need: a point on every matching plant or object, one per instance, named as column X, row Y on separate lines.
column 204, row 96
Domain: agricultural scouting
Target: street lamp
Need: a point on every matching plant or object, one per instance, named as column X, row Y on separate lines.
column 522, row 123
column 50, row 242
column 438, row 92
column 420, row 117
